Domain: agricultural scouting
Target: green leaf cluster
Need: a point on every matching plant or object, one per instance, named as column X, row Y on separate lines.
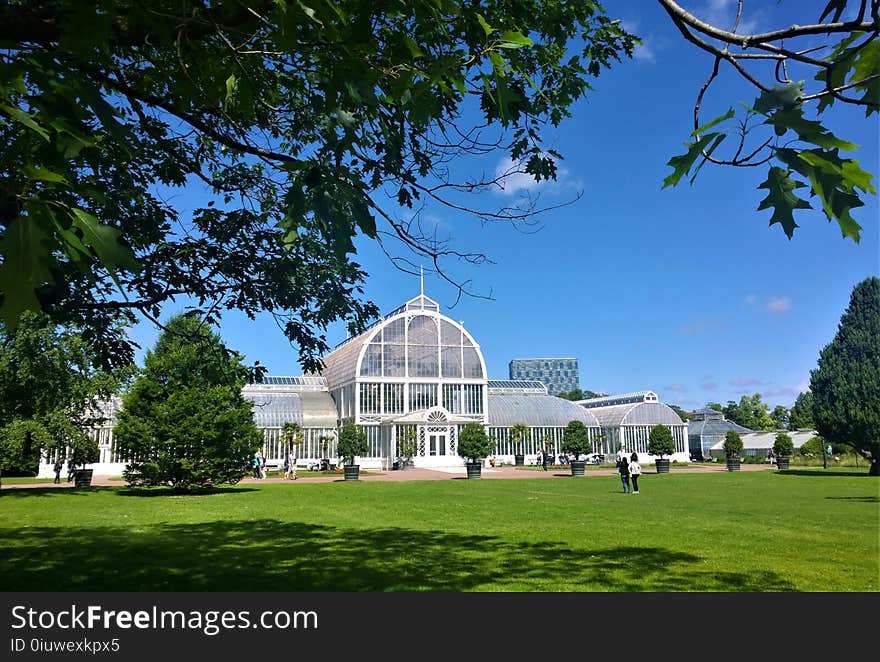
column 783, row 446
column 576, row 439
column 309, row 124
column 733, row 443
column 473, row 442
column 352, row 443
column 660, row 441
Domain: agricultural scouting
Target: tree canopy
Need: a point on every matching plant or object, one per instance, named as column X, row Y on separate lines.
column 473, row 442
column 750, row 412
column 660, row 441
column 185, row 423
column 846, row 382
column 801, row 414
column 352, row 442
column 49, row 394
column 576, row 439
column 310, row 123
column 733, row 443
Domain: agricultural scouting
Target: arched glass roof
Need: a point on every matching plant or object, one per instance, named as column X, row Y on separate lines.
column 639, row 413
column 416, row 343
column 536, row 411
column 311, row 409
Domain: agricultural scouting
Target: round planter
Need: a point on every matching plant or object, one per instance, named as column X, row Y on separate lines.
column 352, row 471
column 578, row 467
column 733, row 464
column 519, row 460
column 782, row 463
column 82, row 477
column 662, row 465
column 474, row 469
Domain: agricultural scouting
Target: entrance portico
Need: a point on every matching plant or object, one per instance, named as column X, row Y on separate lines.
column 436, row 433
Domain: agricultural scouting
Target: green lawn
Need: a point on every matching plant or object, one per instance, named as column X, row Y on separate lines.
column 805, row 530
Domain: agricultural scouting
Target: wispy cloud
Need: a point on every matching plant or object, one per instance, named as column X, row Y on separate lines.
column 514, row 180
column 722, row 14
column 677, row 388
column 778, row 305
column 746, row 381
column 699, row 326
column 750, row 299
column 709, row 386
column 646, row 51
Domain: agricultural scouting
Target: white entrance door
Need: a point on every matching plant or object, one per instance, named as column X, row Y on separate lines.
column 436, row 451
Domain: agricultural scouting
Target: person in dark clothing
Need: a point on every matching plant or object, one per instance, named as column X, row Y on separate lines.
column 623, row 469
column 544, row 458
column 58, row 466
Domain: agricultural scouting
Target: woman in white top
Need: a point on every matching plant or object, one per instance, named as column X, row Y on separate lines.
column 635, row 470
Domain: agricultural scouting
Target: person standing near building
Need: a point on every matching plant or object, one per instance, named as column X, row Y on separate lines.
column 256, row 464
column 57, row 468
column 291, row 465
column 544, row 458
column 635, row 470
column 623, row 470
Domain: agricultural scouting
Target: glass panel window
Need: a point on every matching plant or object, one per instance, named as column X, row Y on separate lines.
column 370, row 403
column 473, row 399
column 452, row 397
column 371, row 366
column 423, row 361
column 451, row 360
column 394, row 357
column 422, row 396
column 393, row 398
column 472, row 369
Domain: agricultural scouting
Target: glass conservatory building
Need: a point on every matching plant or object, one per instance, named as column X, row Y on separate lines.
column 416, row 374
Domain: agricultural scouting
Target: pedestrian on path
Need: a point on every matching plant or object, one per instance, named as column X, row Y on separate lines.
column 635, row 470
column 58, row 466
column 544, row 458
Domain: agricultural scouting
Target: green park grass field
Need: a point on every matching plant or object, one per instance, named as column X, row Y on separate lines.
column 803, row 530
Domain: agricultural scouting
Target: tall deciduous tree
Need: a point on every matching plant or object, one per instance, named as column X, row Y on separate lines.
column 49, row 393
column 750, row 412
column 846, row 383
column 801, row 417
column 185, row 423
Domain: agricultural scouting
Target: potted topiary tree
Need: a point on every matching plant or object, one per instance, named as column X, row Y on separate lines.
column 406, row 447
column 733, row 446
column 474, row 445
column 576, row 440
column 660, row 443
column 352, row 442
column 518, row 434
column 783, row 447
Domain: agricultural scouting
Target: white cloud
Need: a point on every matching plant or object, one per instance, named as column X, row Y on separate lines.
column 722, row 13
column 709, row 386
column 514, row 179
column 778, row 305
column 677, row 388
column 750, row 299
column 747, row 381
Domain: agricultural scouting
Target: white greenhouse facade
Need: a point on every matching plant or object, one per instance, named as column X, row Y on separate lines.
column 418, row 374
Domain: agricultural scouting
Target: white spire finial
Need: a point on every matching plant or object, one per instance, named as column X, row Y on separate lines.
column 421, row 280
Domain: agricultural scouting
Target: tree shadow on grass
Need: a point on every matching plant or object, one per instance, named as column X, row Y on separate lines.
column 270, row 555
column 61, row 492
column 169, row 492
column 862, row 499
column 820, row 472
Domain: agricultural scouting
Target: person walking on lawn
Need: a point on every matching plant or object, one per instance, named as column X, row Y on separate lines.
column 623, row 470
column 635, row 470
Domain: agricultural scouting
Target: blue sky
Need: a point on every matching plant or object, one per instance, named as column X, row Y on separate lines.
column 686, row 290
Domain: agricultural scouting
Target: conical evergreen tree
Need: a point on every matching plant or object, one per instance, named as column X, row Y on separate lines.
column 185, row 422
column 846, row 383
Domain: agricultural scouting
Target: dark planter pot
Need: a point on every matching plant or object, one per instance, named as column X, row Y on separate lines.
column 519, row 460
column 82, row 478
column 733, row 464
column 662, row 465
column 578, row 467
column 782, row 463
column 352, row 471
column 474, row 469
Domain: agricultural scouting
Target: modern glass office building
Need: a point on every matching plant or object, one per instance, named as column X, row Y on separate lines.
column 560, row 375
column 418, row 374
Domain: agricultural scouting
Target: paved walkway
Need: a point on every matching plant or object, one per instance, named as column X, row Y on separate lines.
column 413, row 473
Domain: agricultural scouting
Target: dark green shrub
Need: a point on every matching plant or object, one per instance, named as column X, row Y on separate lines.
column 733, row 443
column 473, row 443
column 660, row 441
